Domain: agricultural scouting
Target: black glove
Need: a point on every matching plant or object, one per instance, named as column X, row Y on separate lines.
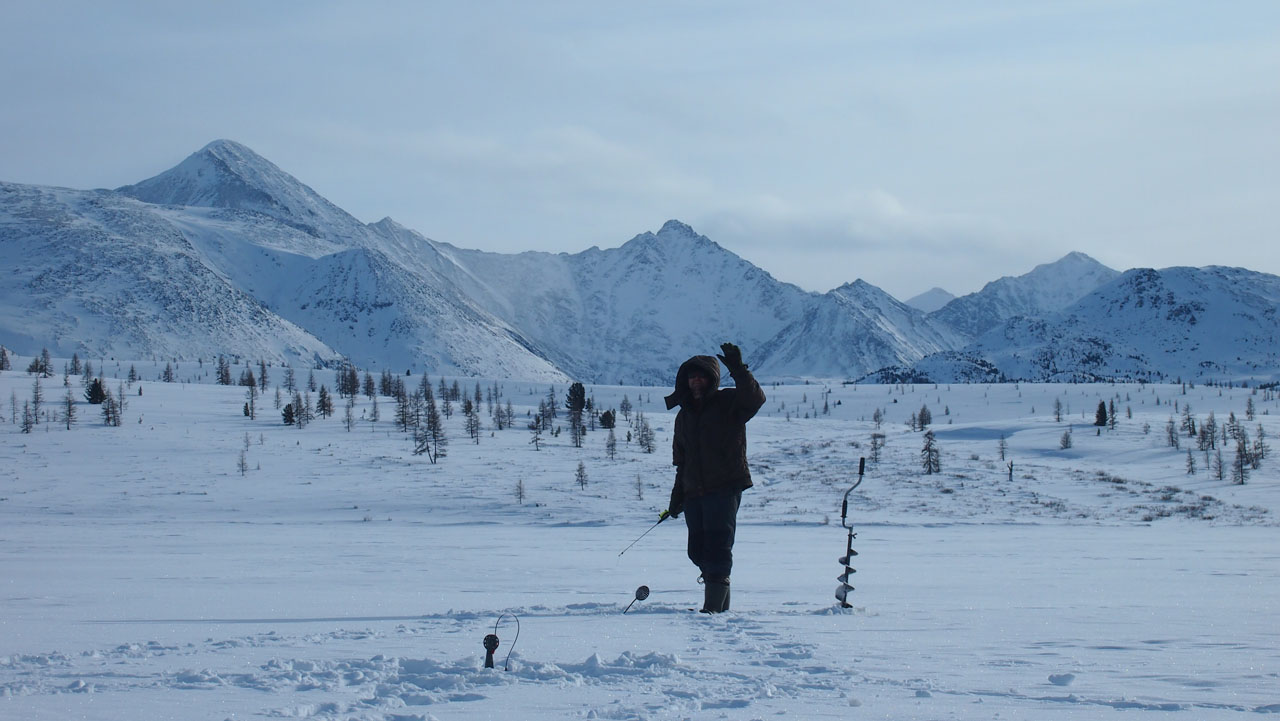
column 731, row 356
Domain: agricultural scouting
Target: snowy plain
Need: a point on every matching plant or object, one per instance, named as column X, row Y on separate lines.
column 144, row 575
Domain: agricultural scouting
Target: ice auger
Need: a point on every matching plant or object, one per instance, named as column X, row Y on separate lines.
column 842, row 591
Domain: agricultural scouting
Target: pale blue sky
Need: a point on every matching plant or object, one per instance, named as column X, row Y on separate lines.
column 909, row 144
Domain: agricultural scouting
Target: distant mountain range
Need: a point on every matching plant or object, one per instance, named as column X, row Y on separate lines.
column 228, row 254
column 930, row 300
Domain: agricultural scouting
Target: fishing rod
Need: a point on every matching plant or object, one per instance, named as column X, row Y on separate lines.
column 661, row 517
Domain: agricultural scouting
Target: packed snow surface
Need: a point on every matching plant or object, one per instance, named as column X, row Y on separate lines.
column 146, row 573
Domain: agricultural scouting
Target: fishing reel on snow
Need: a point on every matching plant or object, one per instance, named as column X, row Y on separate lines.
column 491, row 643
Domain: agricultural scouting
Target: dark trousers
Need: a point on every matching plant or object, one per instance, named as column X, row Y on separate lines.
column 712, row 520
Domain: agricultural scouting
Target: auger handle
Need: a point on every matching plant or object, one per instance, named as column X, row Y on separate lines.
column 844, row 505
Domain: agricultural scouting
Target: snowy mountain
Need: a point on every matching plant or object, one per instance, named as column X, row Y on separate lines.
column 1159, row 325
column 930, row 300
column 228, row 254
column 226, row 174
column 383, row 295
column 1048, row 288
column 630, row 313
column 1212, row 322
column 635, row 312
column 364, row 297
column 240, row 259
column 101, row 274
column 853, row 330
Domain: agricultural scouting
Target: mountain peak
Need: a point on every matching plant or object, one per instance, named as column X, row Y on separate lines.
column 227, row 174
column 1048, row 288
column 862, row 291
column 931, row 300
column 675, row 227
column 857, row 285
column 388, row 223
column 225, row 147
column 674, row 235
column 1074, row 259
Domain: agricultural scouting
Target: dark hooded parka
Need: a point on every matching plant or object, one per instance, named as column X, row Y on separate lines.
column 709, row 449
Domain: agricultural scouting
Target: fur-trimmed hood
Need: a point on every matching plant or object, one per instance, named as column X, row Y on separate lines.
column 706, row 363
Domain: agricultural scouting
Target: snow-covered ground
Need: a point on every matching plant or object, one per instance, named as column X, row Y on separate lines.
column 144, row 576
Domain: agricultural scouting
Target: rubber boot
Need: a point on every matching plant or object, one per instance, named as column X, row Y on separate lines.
column 715, row 596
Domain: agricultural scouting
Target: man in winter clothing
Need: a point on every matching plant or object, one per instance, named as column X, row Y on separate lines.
column 709, row 451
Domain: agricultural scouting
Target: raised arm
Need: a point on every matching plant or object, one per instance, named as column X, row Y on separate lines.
column 748, row 398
